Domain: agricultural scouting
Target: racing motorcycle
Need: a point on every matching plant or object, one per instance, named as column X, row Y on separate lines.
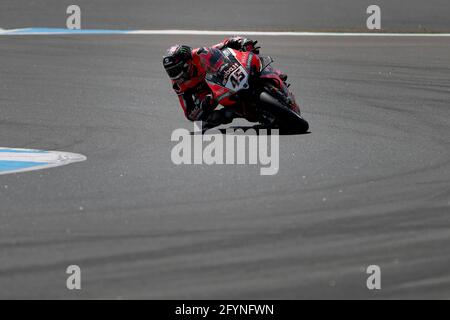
column 248, row 80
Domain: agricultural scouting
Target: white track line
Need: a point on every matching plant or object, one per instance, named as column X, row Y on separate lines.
column 286, row 33
column 32, row 31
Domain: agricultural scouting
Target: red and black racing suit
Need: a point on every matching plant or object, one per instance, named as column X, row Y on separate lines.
column 194, row 93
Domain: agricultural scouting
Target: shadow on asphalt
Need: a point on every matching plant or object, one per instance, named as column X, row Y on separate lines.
column 251, row 130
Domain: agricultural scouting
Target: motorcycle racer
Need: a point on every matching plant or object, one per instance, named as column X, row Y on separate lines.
column 183, row 66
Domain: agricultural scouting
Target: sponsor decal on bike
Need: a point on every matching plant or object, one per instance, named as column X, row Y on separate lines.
column 228, row 72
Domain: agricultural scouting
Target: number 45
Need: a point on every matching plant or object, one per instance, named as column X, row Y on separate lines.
column 237, row 78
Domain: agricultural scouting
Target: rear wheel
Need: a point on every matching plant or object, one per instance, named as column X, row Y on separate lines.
column 285, row 118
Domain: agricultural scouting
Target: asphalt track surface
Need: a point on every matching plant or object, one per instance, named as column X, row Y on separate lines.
column 369, row 184
column 296, row 15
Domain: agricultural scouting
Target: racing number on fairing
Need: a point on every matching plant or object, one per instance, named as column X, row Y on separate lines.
column 237, row 78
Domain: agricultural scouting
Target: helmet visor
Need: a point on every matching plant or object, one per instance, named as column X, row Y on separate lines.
column 177, row 71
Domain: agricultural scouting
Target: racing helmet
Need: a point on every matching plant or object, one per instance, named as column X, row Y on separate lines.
column 178, row 61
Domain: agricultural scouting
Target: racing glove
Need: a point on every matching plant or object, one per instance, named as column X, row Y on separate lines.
column 246, row 45
column 250, row 46
column 202, row 108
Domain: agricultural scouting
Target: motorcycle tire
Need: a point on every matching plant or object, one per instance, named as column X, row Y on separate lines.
column 286, row 119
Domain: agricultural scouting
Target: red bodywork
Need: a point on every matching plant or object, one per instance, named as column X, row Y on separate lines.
column 224, row 70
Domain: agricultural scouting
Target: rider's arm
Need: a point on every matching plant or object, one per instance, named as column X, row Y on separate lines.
column 196, row 107
column 239, row 43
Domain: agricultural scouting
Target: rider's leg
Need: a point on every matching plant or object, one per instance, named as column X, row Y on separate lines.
column 220, row 117
column 227, row 114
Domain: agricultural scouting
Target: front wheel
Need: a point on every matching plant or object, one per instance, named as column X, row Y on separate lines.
column 285, row 118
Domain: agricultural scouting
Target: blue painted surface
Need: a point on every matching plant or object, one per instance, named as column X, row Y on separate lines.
column 14, row 160
column 6, row 165
column 21, row 151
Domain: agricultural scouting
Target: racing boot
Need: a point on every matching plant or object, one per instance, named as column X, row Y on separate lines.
column 220, row 117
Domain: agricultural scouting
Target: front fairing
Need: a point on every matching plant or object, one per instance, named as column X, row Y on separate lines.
column 227, row 72
column 273, row 75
